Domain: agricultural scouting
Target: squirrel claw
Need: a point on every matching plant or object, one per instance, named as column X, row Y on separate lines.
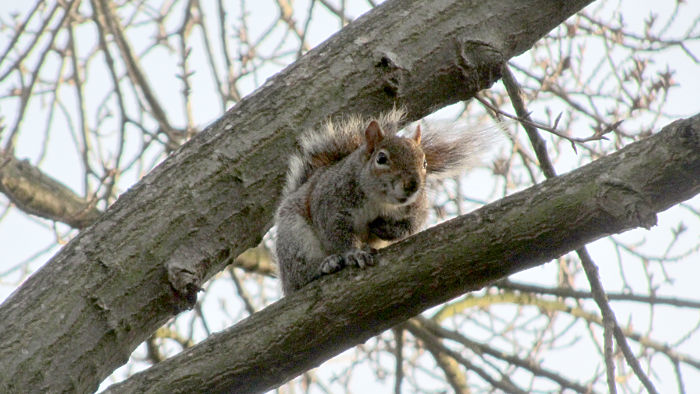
column 332, row 264
column 358, row 258
column 355, row 257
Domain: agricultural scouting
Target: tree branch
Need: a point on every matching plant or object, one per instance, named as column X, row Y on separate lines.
column 613, row 194
column 36, row 193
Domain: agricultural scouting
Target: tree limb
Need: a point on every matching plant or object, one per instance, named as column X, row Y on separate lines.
column 613, row 194
column 36, row 193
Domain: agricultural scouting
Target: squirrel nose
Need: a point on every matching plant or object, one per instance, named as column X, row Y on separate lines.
column 410, row 185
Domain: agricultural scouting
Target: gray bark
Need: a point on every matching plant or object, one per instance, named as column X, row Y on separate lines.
column 611, row 195
column 79, row 317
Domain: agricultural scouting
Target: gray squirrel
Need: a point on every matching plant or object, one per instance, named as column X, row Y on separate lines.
column 356, row 186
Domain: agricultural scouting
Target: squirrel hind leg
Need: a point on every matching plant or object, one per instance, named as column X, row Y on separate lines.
column 297, row 247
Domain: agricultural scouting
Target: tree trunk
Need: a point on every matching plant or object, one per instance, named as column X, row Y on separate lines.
column 81, row 315
column 613, row 194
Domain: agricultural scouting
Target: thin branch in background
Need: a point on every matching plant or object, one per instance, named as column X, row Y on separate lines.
column 111, row 24
column 102, row 33
column 188, row 22
column 19, row 32
column 201, row 21
column 436, row 348
column 344, row 19
column 85, row 146
column 570, row 293
column 608, row 328
column 26, row 91
column 198, row 311
column 525, row 120
column 287, row 15
column 242, row 293
column 482, row 349
column 538, row 144
column 610, row 325
column 24, row 264
column 665, row 257
column 231, row 92
column 679, row 377
column 609, row 319
column 305, row 30
column 398, row 354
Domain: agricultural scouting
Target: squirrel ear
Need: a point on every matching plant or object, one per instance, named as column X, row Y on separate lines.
column 416, row 136
column 373, row 135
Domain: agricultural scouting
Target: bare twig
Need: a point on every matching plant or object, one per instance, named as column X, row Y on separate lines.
column 609, row 321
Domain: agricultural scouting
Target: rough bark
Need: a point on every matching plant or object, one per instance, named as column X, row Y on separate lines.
column 611, row 195
column 80, row 317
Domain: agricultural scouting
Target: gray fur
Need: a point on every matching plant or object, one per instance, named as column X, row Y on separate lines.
column 337, row 210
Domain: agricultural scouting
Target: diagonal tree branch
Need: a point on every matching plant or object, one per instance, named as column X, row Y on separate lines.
column 613, row 194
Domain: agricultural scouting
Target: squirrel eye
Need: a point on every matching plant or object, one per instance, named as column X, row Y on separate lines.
column 425, row 164
column 382, row 158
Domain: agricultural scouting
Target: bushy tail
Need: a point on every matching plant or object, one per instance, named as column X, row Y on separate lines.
column 330, row 144
column 450, row 149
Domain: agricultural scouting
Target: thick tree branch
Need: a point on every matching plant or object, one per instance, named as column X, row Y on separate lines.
column 143, row 261
column 613, row 194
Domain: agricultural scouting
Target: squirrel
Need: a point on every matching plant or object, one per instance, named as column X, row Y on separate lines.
column 357, row 186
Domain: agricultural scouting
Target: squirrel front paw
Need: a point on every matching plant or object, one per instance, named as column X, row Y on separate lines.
column 356, row 257
column 359, row 258
column 332, row 264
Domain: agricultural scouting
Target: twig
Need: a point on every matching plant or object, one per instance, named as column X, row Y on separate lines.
column 436, row 347
column 513, row 360
column 111, row 24
column 241, row 291
column 526, row 122
column 570, row 293
column 398, row 353
column 609, row 320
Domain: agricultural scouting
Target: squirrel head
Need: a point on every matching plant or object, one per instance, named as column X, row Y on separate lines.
column 395, row 167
